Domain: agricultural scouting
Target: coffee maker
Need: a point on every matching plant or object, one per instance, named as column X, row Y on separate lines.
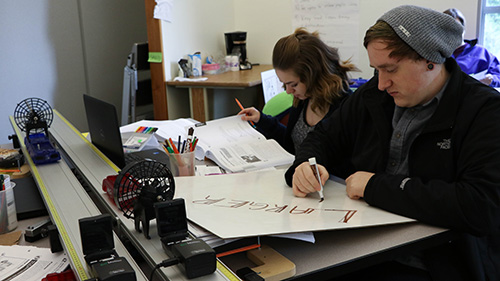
column 236, row 45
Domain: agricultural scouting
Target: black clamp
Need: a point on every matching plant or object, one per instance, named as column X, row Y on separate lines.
column 247, row 274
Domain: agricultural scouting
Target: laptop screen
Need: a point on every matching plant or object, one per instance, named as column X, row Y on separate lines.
column 104, row 129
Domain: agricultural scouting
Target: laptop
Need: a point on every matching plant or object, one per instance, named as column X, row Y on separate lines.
column 104, row 130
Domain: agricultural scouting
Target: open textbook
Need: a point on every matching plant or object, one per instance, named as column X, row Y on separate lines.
column 237, row 147
column 230, row 142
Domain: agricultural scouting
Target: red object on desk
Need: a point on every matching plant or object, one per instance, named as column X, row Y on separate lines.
column 67, row 275
column 108, row 185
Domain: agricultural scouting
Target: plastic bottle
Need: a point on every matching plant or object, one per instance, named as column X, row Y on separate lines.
column 235, row 63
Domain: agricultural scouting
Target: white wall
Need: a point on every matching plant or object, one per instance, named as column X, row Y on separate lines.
column 36, row 60
column 198, row 25
column 59, row 49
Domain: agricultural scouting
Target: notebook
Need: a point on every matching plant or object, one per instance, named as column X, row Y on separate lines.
column 104, row 130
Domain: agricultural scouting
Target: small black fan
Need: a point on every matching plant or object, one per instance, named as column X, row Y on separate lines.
column 33, row 114
column 139, row 186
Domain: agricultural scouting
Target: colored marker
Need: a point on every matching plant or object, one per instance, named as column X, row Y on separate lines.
column 172, row 145
column 183, row 146
column 194, row 143
column 190, row 138
column 314, row 167
column 241, row 106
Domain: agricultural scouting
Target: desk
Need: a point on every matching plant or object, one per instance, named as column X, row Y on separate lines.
column 92, row 168
column 334, row 253
column 228, row 80
column 339, row 252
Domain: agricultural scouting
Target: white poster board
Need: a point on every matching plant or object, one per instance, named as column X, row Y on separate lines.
column 260, row 203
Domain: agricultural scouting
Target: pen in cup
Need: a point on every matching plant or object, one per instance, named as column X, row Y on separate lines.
column 172, row 145
column 314, row 167
column 190, row 138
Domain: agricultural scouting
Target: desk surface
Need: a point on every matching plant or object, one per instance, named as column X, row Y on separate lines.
column 242, row 78
column 200, row 91
column 333, row 254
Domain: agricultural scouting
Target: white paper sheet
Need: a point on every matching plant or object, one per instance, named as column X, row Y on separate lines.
column 27, row 263
column 271, row 84
column 163, row 10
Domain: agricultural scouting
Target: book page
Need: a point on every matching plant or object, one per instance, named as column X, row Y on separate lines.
column 223, row 132
column 249, row 156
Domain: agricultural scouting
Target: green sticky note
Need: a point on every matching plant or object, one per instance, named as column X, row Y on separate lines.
column 155, row 57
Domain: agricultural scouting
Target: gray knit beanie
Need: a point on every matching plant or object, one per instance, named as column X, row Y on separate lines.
column 433, row 35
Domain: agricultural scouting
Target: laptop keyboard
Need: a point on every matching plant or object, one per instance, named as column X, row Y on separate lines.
column 132, row 157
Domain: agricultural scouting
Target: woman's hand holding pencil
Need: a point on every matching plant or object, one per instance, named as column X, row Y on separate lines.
column 251, row 114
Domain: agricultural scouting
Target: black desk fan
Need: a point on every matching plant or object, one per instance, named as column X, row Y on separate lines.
column 144, row 191
column 34, row 116
column 138, row 187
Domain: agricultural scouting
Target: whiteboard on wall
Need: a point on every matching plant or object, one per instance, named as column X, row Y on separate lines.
column 337, row 22
column 260, row 203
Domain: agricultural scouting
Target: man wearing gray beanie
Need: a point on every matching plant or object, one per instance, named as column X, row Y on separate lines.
column 420, row 139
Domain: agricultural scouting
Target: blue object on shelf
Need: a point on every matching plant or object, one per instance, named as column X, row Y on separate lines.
column 356, row 83
column 41, row 149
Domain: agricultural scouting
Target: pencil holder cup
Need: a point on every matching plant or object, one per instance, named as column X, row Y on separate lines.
column 182, row 164
column 8, row 216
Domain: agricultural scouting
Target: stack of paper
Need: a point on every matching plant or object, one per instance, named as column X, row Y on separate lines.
column 26, row 263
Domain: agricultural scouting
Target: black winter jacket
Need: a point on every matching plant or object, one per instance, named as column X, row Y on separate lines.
column 454, row 168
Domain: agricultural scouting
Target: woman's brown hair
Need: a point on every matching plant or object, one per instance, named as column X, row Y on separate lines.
column 316, row 64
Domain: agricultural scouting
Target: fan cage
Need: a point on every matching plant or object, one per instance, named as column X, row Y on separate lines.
column 144, row 178
column 32, row 111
